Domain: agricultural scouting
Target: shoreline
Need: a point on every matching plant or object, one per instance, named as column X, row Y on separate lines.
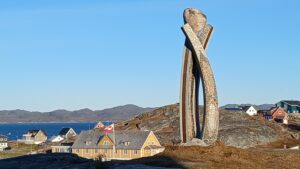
column 48, row 122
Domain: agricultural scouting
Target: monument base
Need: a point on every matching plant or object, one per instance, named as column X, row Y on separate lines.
column 195, row 142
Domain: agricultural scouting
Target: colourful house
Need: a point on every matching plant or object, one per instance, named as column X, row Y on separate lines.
column 290, row 106
column 279, row 115
column 128, row 145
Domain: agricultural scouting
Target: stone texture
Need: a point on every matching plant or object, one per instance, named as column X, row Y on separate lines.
column 236, row 129
column 195, row 67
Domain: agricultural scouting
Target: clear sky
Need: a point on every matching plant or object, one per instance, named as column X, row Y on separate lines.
column 72, row 54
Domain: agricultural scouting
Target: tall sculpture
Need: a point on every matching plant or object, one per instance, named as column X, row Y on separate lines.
column 196, row 69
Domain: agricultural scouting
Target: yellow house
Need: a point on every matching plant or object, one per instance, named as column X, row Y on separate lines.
column 128, row 144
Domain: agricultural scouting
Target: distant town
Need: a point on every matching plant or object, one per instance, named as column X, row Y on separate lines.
column 108, row 141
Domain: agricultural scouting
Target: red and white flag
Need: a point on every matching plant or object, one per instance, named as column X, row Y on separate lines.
column 109, row 128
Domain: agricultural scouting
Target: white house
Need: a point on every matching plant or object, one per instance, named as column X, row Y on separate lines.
column 56, row 139
column 67, row 133
column 62, row 148
column 250, row 110
column 3, row 142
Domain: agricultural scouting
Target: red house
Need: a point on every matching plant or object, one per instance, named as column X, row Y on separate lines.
column 279, row 115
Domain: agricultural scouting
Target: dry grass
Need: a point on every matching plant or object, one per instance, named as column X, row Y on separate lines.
column 18, row 149
column 221, row 156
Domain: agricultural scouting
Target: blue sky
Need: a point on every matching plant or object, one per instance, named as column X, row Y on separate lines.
column 96, row 54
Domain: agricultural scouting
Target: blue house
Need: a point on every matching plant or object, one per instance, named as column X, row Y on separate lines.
column 290, row 106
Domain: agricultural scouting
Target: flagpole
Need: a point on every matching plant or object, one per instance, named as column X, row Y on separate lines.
column 114, row 145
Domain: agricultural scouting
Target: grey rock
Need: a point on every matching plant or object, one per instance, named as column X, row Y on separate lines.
column 236, row 128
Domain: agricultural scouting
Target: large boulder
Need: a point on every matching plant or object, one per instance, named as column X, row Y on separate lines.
column 236, row 128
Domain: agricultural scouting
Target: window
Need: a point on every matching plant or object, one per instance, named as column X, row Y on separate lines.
column 96, row 151
column 125, row 151
column 86, row 151
column 106, row 143
column 135, row 152
column 88, row 143
column 151, row 143
column 105, row 151
column 126, row 143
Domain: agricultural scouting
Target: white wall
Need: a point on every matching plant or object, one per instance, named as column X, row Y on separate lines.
column 251, row 111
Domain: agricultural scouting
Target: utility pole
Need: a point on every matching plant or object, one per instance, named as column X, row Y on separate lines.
column 17, row 142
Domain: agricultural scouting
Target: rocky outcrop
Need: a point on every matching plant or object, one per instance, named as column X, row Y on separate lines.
column 236, row 128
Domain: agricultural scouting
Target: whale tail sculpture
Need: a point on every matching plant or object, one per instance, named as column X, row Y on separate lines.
column 196, row 69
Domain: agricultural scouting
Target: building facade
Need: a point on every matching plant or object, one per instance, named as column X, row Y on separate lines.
column 128, row 145
column 290, row 106
column 67, row 133
column 34, row 137
column 279, row 115
column 62, row 148
column 56, row 139
column 3, row 142
column 250, row 110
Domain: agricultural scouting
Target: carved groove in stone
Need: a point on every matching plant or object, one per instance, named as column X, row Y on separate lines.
column 195, row 67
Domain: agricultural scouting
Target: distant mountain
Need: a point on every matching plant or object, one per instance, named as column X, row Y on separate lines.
column 257, row 107
column 83, row 115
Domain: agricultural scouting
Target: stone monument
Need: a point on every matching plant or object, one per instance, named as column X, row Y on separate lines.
column 196, row 69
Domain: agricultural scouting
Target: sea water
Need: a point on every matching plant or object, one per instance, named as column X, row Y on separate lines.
column 15, row 131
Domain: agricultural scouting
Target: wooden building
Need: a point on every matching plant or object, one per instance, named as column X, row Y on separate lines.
column 67, row 133
column 128, row 145
column 62, row 147
column 279, row 115
column 250, row 110
column 34, row 137
column 3, row 142
column 290, row 106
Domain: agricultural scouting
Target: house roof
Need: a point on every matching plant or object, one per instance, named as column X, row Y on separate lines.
column 66, row 144
column 90, row 139
column 153, row 147
column 34, row 132
column 292, row 102
column 64, row 131
column 233, row 108
column 245, row 108
column 2, row 136
column 54, row 137
column 274, row 110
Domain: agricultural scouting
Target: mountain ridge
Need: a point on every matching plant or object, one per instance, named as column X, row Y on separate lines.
column 117, row 113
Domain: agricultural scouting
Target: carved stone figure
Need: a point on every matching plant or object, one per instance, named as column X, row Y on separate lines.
column 196, row 69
